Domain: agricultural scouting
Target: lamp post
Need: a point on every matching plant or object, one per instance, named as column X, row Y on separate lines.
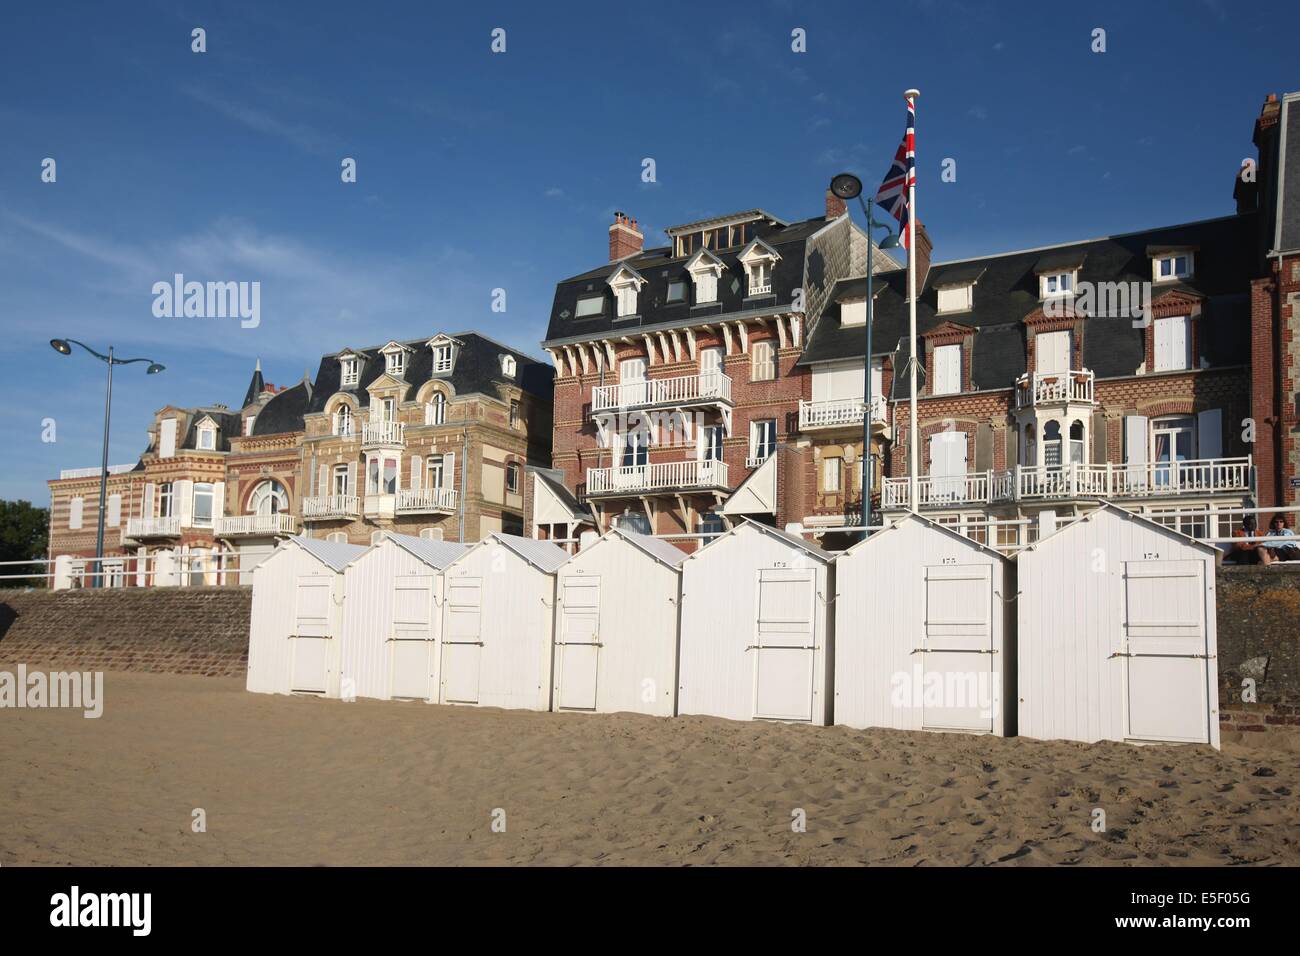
column 847, row 186
column 64, row 347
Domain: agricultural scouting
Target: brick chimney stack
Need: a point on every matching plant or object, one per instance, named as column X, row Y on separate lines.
column 922, row 247
column 835, row 206
column 624, row 237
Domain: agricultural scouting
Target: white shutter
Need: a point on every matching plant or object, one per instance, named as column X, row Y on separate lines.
column 1209, row 433
column 113, row 518
column 947, row 369
column 1180, row 342
column 352, row 478
column 448, row 470
column 167, row 438
column 1171, row 343
column 323, row 481
column 416, row 461
column 183, row 501
column 218, row 501
column 1135, row 439
column 1053, row 350
column 146, row 503
column 75, row 508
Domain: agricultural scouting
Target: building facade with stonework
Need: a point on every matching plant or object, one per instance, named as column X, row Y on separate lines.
column 423, row 437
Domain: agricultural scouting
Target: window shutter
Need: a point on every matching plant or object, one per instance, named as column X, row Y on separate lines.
column 1180, row 342
column 983, row 447
column 113, row 518
column 1161, row 341
column 415, row 472
column 146, row 503
column 167, row 438
column 352, row 478
column 1135, row 439
column 1209, row 433
column 947, row 369
column 183, row 501
column 75, row 509
column 449, row 470
column 218, row 501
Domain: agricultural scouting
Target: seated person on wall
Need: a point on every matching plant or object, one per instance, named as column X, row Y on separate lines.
column 1287, row 547
column 1249, row 552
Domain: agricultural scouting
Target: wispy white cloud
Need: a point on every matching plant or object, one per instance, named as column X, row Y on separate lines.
column 297, row 134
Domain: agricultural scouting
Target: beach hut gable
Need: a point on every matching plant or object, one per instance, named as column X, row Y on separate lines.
column 785, row 537
column 657, row 548
column 1106, row 507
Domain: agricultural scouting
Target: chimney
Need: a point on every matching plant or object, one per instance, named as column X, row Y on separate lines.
column 923, row 248
column 1247, row 194
column 624, row 237
column 835, row 206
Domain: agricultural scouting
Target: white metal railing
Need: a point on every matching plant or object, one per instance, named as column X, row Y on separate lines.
column 1108, row 480
column 153, row 527
column 840, row 411
column 256, row 524
column 331, row 506
column 1041, row 388
column 754, row 461
column 381, row 433
column 760, row 288
column 683, row 389
column 706, row 473
column 414, row 500
column 94, row 472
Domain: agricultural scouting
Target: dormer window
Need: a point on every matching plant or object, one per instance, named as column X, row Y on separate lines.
column 704, row 268
column 1171, row 267
column 760, row 278
column 442, row 358
column 351, row 370
column 1054, row 284
column 759, row 259
column 853, row 313
column 396, row 363
column 626, row 283
column 508, row 366
column 207, row 437
column 444, row 349
column 959, row 298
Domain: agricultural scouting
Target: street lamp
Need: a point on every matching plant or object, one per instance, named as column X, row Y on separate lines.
column 64, row 347
column 847, row 186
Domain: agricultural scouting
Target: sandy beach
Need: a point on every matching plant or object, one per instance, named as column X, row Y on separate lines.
column 301, row 781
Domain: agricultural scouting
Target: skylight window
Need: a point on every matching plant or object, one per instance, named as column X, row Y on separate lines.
column 590, row 305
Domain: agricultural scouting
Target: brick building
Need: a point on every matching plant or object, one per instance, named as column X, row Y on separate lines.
column 427, row 437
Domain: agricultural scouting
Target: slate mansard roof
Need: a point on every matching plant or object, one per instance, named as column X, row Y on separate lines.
column 659, row 266
column 1007, row 291
column 1287, row 238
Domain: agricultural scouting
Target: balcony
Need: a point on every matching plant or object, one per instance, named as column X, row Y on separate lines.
column 331, row 507
column 760, row 288
column 140, row 528
column 1206, row 476
column 707, row 388
column 1054, row 388
column 662, row 476
column 256, row 525
column 841, row 413
column 381, row 434
column 426, row 501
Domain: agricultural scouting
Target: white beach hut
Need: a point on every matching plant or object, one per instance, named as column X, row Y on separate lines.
column 756, row 628
column 616, row 626
column 1117, row 635
column 297, row 618
column 923, row 632
column 391, row 622
column 498, row 619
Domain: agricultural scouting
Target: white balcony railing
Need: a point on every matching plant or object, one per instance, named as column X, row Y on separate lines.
column 682, row 390
column 381, row 433
column 424, row 500
column 1046, row 388
column 760, row 288
column 1031, row 482
column 256, row 525
column 661, row 476
column 754, row 461
column 330, row 506
column 838, row 412
column 153, row 527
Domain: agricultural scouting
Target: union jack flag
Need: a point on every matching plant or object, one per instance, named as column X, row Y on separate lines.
column 892, row 195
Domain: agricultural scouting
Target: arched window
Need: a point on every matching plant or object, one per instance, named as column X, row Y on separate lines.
column 1076, row 443
column 1052, row 444
column 343, row 421
column 435, row 413
column 268, row 498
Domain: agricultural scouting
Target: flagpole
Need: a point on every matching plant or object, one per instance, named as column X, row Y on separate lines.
column 913, row 449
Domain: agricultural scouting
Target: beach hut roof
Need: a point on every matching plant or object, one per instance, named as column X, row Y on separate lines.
column 657, row 548
column 333, row 554
column 436, row 554
column 540, row 554
column 913, row 516
column 794, row 540
column 1123, row 513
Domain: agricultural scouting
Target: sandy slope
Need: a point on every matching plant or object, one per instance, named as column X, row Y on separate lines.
column 305, row 781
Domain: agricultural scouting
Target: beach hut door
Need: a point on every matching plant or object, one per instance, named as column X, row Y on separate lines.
column 784, row 648
column 1167, row 671
column 462, row 642
column 579, row 643
column 411, row 674
column 311, row 635
column 957, row 648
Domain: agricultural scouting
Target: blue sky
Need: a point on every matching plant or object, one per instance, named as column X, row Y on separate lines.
column 479, row 171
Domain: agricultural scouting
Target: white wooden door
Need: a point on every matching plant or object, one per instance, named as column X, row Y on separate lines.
column 462, row 641
column 579, row 643
column 956, row 647
column 311, row 635
column 784, row 648
column 411, row 643
column 948, row 466
column 1167, row 671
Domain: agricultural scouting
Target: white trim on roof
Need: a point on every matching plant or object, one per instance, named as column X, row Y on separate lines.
column 1123, row 513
